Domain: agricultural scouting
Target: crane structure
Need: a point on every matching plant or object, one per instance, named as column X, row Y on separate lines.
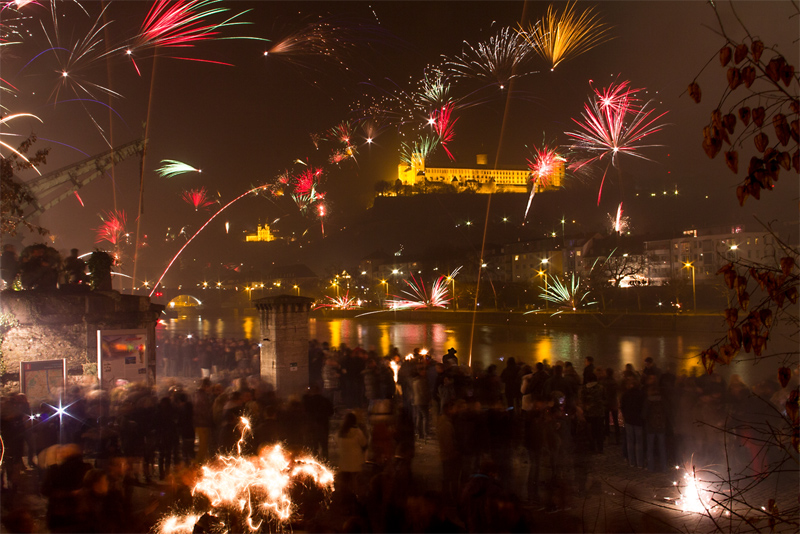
column 53, row 187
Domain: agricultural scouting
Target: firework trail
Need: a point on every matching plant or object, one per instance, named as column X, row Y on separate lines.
column 113, row 227
column 182, row 24
column 421, row 149
column 499, row 59
column 171, row 168
column 561, row 36
column 197, row 198
column 614, row 122
column 546, row 162
column 434, row 89
column 5, row 121
column 419, row 297
column 214, row 216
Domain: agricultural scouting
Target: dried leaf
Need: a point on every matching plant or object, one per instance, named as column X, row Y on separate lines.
column 734, row 78
column 787, row 263
column 732, row 160
column 781, row 128
column 726, row 354
column 748, row 76
column 735, row 337
column 765, row 314
column 773, row 70
column 744, row 300
column 709, row 359
column 757, row 47
column 729, row 121
column 794, row 105
column 755, row 164
column 741, row 196
column 716, row 118
column 785, row 160
column 795, row 128
column 761, row 140
column 694, row 92
column 725, row 55
column 731, row 315
column 792, row 408
column 784, row 374
column 791, row 294
column 744, row 115
column 758, row 116
column 796, row 160
column 787, row 74
column 712, row 147
column 740, row 53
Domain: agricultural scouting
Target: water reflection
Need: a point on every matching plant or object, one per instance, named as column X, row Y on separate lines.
column 492, row 343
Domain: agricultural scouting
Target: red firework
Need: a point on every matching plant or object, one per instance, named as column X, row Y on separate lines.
column 443, row 125
column 197, row 198
column 546, row 161
column 113, row 227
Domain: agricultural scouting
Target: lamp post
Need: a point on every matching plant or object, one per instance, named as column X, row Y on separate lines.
column 297, row 288
column 452, row 280
column 689, row 265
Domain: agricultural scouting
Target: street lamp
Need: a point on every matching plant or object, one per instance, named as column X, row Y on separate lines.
column 452, row 280
column 384, row 282
column 689, row 265
column 297, row 288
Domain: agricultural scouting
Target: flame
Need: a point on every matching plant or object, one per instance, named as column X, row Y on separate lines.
column 692, row 496
column 257, row 486
column 395, row 369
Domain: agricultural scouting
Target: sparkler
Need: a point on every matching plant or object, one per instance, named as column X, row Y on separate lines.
column 197, row 198
column 171, row 168
column 546, row 162
column 692, row 497
column 499, row 59
column 614, row 123
column 113, row 227
column 561, row 36
column 255, row 489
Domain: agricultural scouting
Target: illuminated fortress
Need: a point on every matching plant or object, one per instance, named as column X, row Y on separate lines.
column 480, row 179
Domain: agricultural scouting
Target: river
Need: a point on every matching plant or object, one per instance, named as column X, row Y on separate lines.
column 492, row 343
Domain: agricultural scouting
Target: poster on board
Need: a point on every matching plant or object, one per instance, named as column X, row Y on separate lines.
column 42, row 380
column 121, row 355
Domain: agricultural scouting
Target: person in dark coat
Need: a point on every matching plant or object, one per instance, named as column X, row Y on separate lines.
column 318, row 410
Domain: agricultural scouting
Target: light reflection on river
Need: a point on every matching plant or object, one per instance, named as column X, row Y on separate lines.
column 491, row 343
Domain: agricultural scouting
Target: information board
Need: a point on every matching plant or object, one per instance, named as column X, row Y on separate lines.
column 121, row 355
column 42, row 380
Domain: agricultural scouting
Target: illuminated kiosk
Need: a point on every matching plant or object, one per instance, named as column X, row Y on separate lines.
column 284, row 342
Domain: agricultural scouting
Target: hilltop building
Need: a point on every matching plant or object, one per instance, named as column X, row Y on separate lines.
column 481, row 178
column 263, row 233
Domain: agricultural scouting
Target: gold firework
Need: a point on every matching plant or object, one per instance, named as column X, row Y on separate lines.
column 561, row 36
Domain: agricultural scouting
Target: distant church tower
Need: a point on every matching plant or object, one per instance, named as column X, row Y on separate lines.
column 262, row 234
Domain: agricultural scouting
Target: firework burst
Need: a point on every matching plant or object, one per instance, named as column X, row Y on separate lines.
column 567, row 295
column 545, row 164
column 614, row 122
column 171, row 168
column 113, row 227
column 181, row 24
column 3, row 122
column 345, row 302
column 419, row 298
column 443, row 124
column 499, row 59
column 420, row 149
column 561, row 36
column 197, row 197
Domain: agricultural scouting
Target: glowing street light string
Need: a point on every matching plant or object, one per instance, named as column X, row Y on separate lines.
column 223, row 208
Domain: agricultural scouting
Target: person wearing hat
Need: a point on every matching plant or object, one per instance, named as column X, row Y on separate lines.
column 451, row 355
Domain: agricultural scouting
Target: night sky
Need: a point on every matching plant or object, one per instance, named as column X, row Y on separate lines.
column 246, row 123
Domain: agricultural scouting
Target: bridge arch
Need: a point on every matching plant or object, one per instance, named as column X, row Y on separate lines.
column 184, row 302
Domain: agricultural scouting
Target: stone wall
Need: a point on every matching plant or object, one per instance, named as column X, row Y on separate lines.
column 63, row 324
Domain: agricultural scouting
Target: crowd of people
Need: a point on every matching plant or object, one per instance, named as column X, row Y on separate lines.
column 94, row 459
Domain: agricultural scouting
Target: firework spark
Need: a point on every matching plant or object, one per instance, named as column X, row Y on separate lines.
column 614, row 123
column 418, row 296
column 197, row 197
column 546, row 162
column 419, row 150
column 443, row 124
column 171, row 168
column 499, row 59
column 113, row 227
column 561, row 36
